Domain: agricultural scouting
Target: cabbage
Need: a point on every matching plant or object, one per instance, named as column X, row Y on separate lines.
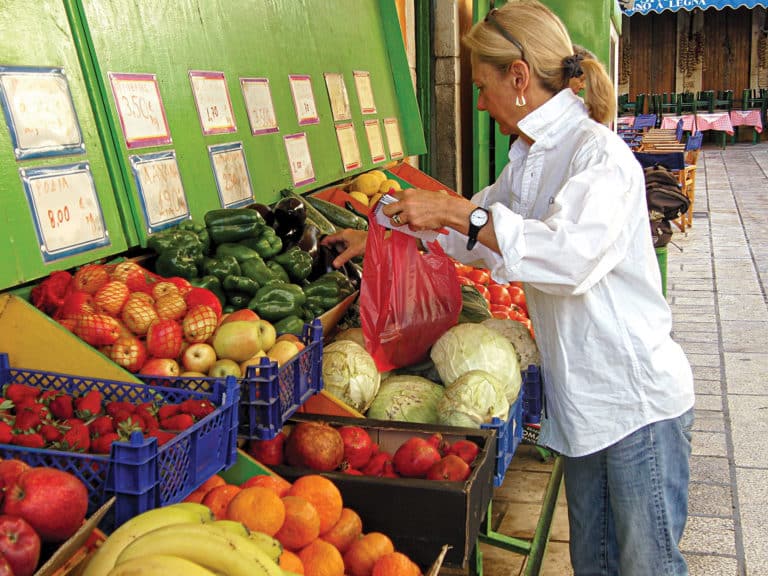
column 350, row 374
column 407, row 399
column 472, row 346
column 475, row 398
column 520, row 337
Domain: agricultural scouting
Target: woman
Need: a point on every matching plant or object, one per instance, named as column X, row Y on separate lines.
column 568, row 217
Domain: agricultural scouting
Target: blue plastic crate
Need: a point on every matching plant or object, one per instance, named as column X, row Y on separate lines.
column 509, row 433
column 268, row 395
column 533, row 394
column 138, row 473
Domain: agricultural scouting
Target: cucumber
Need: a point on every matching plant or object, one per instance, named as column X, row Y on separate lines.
column 323, row 224
column 337, row 215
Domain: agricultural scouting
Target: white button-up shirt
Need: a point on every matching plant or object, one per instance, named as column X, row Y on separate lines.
column 571, row 221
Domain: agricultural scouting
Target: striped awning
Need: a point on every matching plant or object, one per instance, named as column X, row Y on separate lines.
column 659, row 6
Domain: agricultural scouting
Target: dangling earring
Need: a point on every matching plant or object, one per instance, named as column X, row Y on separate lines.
column 520, row 100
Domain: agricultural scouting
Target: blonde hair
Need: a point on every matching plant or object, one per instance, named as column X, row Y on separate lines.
column 545, row 46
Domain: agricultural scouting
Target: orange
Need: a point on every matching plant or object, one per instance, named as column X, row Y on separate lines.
column 291, row 562
column 218, row 498
column 345, row 531
column 301, row 525
column 323, row 495
column 276, row 483
column 259, row 508
column 321, row 559
column 395, row 564
column 199, row 493
column 363, row 553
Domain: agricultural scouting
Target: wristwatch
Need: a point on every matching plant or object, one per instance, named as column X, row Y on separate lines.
column 477, row 219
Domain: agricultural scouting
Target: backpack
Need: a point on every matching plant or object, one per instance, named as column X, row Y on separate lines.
column 665, row 202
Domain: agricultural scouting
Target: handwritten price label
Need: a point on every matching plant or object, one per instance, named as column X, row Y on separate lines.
column 375, row 142
column 66, row 209
column 299, row 158
column 160, row 187
column 231, row 172
column 364, row 91
column 392, row 130
column 303, row 99
column 350, row 153
column 213, row 104
column 141, row 111
column 258, row 104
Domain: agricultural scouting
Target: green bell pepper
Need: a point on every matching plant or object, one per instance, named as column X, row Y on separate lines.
column 233, row 224
column 274, row 303
column 173, row 238
column 327, row 291
column 242, row 284
column 238, row 300
column 296, row 262
column 212, row 283
column 180, row 261
column 257, row 270
column 221, row 267
column 241, row 252
column 278, row 271
column 290, row 325
column 199, row 230
column 267, row 243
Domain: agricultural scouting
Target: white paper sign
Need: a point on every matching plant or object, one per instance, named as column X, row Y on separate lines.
column 141, row 111
column 258, row 104
column 350, row 152
column 231, row 173
column 337, row 94
column 299, row 158
column 392, row 130
column 214, row 108
column 365, row 92
column 43, row 120
column 375, row 142
column 160, row 189
column 66, row 209
column 303, row 99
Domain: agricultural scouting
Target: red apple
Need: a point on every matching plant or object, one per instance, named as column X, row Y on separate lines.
column 54, row 502
column 160, row 367
column 19, row 546
column 5, row 568
column 128, row 352
column 9, row 471
column 269, row 452
column 242, row 314
column 199, row 357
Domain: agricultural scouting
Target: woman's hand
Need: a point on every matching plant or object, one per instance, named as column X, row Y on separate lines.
column 352, row 241
column 428, row 210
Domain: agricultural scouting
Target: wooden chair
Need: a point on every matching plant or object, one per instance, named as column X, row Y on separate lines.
column 724, row 100
column 664, row 140
column 705, row 101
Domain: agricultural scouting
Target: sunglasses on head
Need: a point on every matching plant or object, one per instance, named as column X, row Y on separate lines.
column 490, row 19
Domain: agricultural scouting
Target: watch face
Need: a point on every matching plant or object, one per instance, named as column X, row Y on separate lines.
column 478, row 217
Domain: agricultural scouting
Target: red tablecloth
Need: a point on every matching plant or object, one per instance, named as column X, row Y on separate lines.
column 717, row 121
column 747, row 118
column 670, row 122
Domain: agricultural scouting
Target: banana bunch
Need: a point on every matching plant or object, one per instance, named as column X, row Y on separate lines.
column 184, row 539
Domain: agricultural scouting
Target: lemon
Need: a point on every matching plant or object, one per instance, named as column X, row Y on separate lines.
column 359, row 196
column 388, row 185
column 375, row 198
column 379, row 174
column 366, row 183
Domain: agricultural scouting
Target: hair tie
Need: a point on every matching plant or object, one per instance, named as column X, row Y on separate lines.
column 572, row 66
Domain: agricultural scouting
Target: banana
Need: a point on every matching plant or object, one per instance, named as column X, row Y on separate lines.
column 232, row 526
column 104, row 558
column 159, row 565
column 215, row 548
column 270, row 545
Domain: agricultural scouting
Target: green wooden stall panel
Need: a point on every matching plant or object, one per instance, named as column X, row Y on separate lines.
column 38, row 63
column 246, row 39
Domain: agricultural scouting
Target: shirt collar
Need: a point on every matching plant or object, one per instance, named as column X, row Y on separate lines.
column 548, row 124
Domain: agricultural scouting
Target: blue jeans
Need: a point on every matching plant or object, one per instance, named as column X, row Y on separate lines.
column 628, row 503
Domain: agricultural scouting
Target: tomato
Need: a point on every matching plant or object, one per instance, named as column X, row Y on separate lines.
column 499, row 295
column 20, row 544
column 516, row 308
column 479, row 276
column 498, row 311
column 518, row 296
column 462, row 269
column 516, row 315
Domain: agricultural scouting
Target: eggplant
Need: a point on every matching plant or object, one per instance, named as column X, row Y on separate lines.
column 265, row 211
column 290, row 217
column 354, row 272
column 310, row 240
column 323, row 262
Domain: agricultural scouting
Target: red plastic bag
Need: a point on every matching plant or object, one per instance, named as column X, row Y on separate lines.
column 408, row 299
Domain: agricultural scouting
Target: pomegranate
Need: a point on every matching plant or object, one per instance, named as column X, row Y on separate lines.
column 439, row 443
column 451, row 468
column 377, row 463
column 414, row 457
column 269, row 452
column 358, row 446
column 465, row 449
column 314, row 445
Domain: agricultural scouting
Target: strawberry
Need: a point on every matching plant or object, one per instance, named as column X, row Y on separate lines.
column 61, row 407
column 197, row 408
column 131, row 423
column 113, row 407
column 15, row 392
column 90, row 278
column 197, row 296
column 75, row 305
column 103, row 443
column 168, row 410
column 6, row 433
column 97, row 329
column 48, row 396
column 199, row 323
column 28, row 419
column 139, row 314
column 89, row 405
column 101, row 425
column 147, row 416
column 50, row 433
column 111, row 298
column 162, row 436
column 178, row 422
column 171, row 306
column 28, row 440
column 76, row 437
column 164, row 339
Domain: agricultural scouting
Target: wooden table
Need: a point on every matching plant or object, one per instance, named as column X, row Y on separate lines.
column 747, row 118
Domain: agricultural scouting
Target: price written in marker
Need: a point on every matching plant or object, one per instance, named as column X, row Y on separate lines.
column 142, row 116
column 231, row 172
column 162, row 192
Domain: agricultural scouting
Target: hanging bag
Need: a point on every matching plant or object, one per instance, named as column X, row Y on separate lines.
column 408, row 299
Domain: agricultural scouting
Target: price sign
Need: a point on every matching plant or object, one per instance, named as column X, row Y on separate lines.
column 299, row 158
column 161, row 191
column 40, row 112
column 140, row 108
column 364, row 92
column 231, row 172
column 258, row 104
column 337, row 94
column 350, row 152
column 392, row 130
column 375, row 142
column 65, row 208
column 214, row 108
column 303, row 99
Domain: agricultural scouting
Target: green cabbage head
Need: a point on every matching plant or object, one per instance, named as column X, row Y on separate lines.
column 350, row 374
column 475, row 398
column 407, row 399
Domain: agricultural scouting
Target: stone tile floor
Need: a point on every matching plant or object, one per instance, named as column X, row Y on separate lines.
column 717, row 281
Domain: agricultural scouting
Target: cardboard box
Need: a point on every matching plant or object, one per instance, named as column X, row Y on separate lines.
column 420, row 516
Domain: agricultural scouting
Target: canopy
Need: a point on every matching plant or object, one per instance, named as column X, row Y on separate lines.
column 659, row 6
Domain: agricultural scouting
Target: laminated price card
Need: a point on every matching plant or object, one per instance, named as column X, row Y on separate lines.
column 350, row 152
column 161, row 191
column 65, row 208
column 303, row 99
column 258, row 104
column 41, row 115
column 375, row 141
column 337, row 94
column 392, row 130
column 140, row 108
column 231, row 172
column 365, row 92
column 299, row 158
column 214, row 108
